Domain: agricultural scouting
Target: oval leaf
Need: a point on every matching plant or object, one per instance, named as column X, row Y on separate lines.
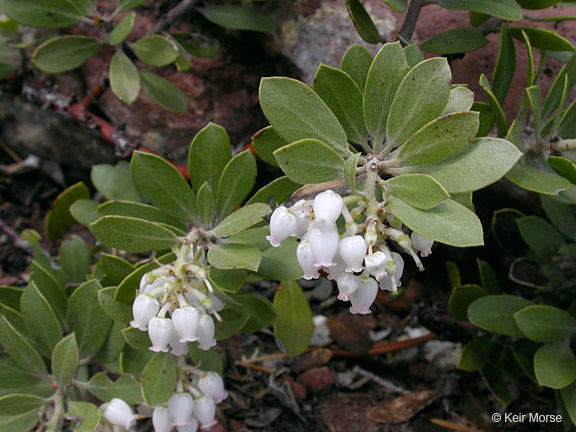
column 164, row 93
column 159, row 379
column 545, row 324
column 155, row 50
column 362, row 21
column 555, row 365
column 122, row 30
column 19, row 350
column 47, row 13
column 65, row 360
column 239, row 18
column 236, row 182
column 356, row 63
column 419, row 191
column 455, row 41
column 124, row 78
column 241, row 219
column 64, row 53
column 209, row 153
column 232, row 256
column 495, row 313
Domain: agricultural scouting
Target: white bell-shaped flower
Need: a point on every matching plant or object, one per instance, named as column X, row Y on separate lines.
column 283, row 224
column 364, row 296
column 205, row 332
column 353, row 250
column 388, row 283
column 118, row 413
column 178, row 348
column 376, row 264
column 190, row 427
column 328, row 206
column 324, row 245
column 399, row 261
column 334, row 272
column 185, row 321
column 212, row 385
column 160, row 333
column 161, row 419
column 143, row 284
column 347, row 284
column 306, row 260
column 205, row 411
column 144, row 309
column 302, row 211
column 422, row 244
column 217, row 304
column 181, row 407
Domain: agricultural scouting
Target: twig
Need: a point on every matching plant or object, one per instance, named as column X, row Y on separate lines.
column 9, row 152
column 388, row 347
column 409, row 25
column 263, row 358
column 13, row 235
column 452, row 426
column 172, row 15
column 254, row 367
column 386, row 384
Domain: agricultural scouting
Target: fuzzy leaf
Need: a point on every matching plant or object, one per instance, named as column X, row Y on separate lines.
column 64, row 53
column 419, row 191
column 124, row 78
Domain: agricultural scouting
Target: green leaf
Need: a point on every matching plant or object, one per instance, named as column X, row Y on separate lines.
column 164, row 93
column 544, row 40
column 349, row 169
column 232, row 256
column 495, row 381
column 482, row 163
column 489, row 277
column 115, row 269
column 13, row 376
column 453, row 275
column 421, row 98
column 265, row 142
column 75, row 259
column 125, row 388
column 527, row 176
column 296, row 112
column 124, row 78
column 239, row 18
column 205, row 204
column 86, row 415
column 309, row 161
column 274, row 193
column 19, row 350
column 540, row 236
column 562, row 216
column 460, row 40
column 159, row 379
column 487, row 118
column 259, row 309
column 136, row 339
column 236, row 182
column 47, row 13
column 88, row 321
column 41, row 323
column 64, row 53
column 399, row 6
column 59, row 220
column 555, row 365
column 439, row 139
column 537, row 4
column 356, row 63
column 569, row 399
column 495, row 313
column 122, row 30
column 51, row 290
column 556, row 92
column 116, row 310
column 208, row 359
column 461, row 100
column 155, row 50
column 293, row 326
column 475, row 355
column 112, row 349
column 280, row 263
column 419, row 191
column 362, row 21
column 254, row 237
column 449, row 222
column 114, row 182
column 339, row 91
column 505, row 64
column 163, row 185
column 461, row 299
column 233, row 320
column 125, row 291
column 131, row 234
column 139, row 211
column 507, row 10
column 65, row 359
column 229, row 281
column 241, row 219
column 384, row 76
column 545, row 323
column 14, row 317
column 210, row 151
column 19, row 412
column 567, row 126
column 501, row 124
column 10, row 296
column 126, row 5
column 564, row 167
column 535, row 99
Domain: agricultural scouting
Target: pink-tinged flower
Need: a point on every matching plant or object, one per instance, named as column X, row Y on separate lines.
column 186, row 323
column 353, row 251
column 364, row 296
column 283, row 224
column 347, row 285
column 205, row 411
column 422, row 244
column 205, row 332
column 181, row 407
column 334, row 272
column 212, row 385
column 160, row 333
column 376, row 264
column 118, row 413
column 328, row 206
column 324, row 245
column 161, row 419
column 306, row 260
column 144, row 309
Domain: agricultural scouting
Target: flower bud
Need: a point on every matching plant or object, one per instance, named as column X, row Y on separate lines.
column 324, row 246
column 205, row 332
column 422, row 244
column 205, row 411
column 144, row 309
column 306, row 260
column 404, row 241
column 302, row 211
column 347, row 284
column 181, row 407
column 118, row 413
column 283, row 224
column 376, row 264
column 191, row 427
column 160, row 332
column 186, row 323
column 352, row 250
column 364, row 296
column 399, row 261
column 212, row 385
column 161, row 419
column 328, row 206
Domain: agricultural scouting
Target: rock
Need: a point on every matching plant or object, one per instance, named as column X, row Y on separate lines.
column 317, row 380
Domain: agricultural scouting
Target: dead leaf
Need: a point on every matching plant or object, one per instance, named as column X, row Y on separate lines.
column 403, row 408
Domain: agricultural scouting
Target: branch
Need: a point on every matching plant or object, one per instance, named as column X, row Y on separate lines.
column 172, row 15
column 409, row 25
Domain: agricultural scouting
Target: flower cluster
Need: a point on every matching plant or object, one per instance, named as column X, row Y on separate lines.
column 182, row 290
column 358, row 263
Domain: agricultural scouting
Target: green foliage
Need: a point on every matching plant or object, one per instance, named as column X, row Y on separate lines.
column 293, row 327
